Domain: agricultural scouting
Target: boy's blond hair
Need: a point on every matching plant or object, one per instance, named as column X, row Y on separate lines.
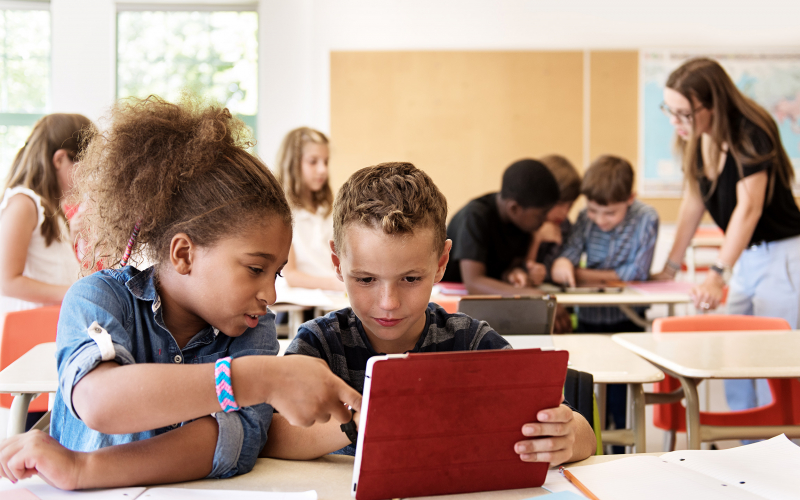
column 609, row 179
column 567, row 177
column 396, row 197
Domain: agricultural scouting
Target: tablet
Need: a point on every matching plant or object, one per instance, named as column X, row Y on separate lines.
column 446, row 423
column 592, row 289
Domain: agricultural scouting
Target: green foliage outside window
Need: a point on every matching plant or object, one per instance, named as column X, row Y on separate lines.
column 211, row 54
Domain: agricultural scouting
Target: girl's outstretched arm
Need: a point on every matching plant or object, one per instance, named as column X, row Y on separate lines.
column 145, row 396
column 184, row 454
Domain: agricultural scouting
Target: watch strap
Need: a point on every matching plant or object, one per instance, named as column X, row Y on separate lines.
column 350, row 429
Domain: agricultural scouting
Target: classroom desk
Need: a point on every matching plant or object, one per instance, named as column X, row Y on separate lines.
column 625, row 300
column 331, row 476
column 34, row 373
column 696, row 356
column 608, row 363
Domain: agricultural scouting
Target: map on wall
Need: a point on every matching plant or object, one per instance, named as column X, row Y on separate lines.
column 771, row 79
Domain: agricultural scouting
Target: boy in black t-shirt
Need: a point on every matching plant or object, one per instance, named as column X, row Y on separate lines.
column 493, row 233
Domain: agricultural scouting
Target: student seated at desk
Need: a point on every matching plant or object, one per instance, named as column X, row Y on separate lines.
column 493, row 233
column 549, row 239
column 303, row 173
column 390, row 248
column 618, row 234
column 169, row 374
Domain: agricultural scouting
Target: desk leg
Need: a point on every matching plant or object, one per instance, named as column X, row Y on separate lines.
column 670, row 310
column 600, row 396
column 627, row 311
column 638, row 421
column 692, row 412
column 295, row 320
column 19, row 413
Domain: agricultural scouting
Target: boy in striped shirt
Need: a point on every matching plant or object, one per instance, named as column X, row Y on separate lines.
column 390, row 247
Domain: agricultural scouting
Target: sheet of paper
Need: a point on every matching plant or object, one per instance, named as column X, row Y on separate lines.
column 19, row 494
column 654, row 479
column 556, row 482
column 44, row 491
column 768, row 468
column 562, row 495
column 194, row 494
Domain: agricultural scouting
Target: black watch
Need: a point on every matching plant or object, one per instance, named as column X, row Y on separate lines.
column 350, row 429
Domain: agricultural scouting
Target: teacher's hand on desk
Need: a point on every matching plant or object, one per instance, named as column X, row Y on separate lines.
column 708, row 295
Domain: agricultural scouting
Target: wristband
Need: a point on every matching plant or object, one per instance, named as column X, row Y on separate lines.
column 350, row 428
column 723, row 270
column 673, row 265
column 222, row 376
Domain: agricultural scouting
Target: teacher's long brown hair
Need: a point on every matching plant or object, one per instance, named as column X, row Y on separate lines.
column 707, row 81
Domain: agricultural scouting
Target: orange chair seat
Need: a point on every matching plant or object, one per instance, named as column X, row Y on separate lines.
column 785, row 406
column 22, row 331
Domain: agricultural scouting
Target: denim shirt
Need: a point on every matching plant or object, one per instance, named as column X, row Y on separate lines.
column 126, row 304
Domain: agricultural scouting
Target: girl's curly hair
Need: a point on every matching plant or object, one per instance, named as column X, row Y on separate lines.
column 171, row 168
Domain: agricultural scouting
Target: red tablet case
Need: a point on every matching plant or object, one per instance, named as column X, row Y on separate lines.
column 443, row 423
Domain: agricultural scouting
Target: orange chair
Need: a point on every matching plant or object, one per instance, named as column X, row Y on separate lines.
column 784, row 408
column 23, row 330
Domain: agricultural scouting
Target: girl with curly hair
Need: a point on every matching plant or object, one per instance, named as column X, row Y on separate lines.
column 37, row 261
column 169, row 374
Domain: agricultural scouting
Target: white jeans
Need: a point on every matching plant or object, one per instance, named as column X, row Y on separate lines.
column 765, row 282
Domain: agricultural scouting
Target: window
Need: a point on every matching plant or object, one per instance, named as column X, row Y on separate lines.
column 24, row 76
column 213, row 54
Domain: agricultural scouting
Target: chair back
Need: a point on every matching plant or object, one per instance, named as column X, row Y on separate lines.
column 517, row 315
column 717, row 323
column 22, row 331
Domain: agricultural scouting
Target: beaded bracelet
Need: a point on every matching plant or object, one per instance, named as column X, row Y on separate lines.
column 222, row 376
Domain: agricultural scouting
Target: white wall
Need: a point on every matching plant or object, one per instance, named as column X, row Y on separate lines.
column 489, row 25
column 83, row 56
column 298, row 35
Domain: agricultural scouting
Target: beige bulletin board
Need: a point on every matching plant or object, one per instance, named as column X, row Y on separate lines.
column 463, row 117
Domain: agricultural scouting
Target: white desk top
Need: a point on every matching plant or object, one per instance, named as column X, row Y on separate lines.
column 34, row 372
column 625, row 298
column 599, row 355
column 772, row 354
column 331, row 477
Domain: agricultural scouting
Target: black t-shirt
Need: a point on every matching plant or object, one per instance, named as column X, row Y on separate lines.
column 780, row 218
column 479, row 234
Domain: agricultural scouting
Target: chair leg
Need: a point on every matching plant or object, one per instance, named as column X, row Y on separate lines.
column 669, row 440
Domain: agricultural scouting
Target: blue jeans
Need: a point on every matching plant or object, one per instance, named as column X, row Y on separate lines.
column 765, row 282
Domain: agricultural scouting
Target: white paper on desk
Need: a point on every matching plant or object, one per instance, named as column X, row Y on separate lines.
column 767, row 468
column 46, row 492
column 764, row 470
column 556, row 482
column 193, row 494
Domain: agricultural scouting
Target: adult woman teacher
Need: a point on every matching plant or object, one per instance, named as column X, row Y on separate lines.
column 736, row 168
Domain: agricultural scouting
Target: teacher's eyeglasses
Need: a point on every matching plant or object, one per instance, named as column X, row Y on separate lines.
column 682, row 117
